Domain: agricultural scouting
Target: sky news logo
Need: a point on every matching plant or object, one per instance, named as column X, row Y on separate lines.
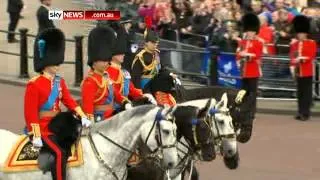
column 83, row 15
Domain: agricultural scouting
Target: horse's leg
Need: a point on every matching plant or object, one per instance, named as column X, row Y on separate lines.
column 194, row 174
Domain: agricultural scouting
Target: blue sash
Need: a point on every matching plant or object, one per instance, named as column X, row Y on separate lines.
column 126, row 83
column 54, row 94
column 144, row 81
column 126, row 88
column 100, row 114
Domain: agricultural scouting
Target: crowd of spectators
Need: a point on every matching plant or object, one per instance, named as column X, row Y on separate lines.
column 189, row 21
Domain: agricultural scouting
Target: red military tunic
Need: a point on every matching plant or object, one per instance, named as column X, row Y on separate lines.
column 117, row 76
column 251, row 68
column 37, row 93
column 95, row 92
column 306, row 48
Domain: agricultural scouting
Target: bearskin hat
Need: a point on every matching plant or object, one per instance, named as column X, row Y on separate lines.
column 250, row 23
column 150, row 35
column 100, row 43
column 301, row 24
column 49, row 48
column 120, row 45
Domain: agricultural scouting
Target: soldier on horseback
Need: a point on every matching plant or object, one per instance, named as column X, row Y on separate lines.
column 44, row 94
column 120, row 77
column 98, row 94
column 146, row 66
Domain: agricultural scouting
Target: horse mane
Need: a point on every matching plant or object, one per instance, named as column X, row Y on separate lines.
column 184, row 112
column 120, row 118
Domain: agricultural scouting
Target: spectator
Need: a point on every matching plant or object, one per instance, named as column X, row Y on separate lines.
column 256, row 7
column 162, row 9
column 283, row 32
column 167, row 26
column 183, row 13
column 226, row 37
column 266, row 36
column 147, row 9
column 219, row 11
column 42, row 15
column 278, row 4
column 14, row 8
column 291, row 6
column 199, row 22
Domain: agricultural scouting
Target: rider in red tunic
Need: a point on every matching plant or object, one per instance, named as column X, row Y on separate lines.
column 98, row 94
column 45, row 93
column 120, row 77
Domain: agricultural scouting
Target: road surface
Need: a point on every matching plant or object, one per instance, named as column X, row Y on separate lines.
column 281, row 148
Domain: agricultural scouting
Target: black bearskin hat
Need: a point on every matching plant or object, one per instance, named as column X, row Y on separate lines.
column 49, row 48
column 120, row 45
column 301, row 24
column 250, row 23
column 100, row 43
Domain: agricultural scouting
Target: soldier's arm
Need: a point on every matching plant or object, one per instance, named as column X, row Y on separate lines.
column 69, row 101
column 137, row 70
column 292, row 53
column 31, row 109
column 88, row 91
column 311, row 52
column 134, row 92
column 119, row 98
column 258, row 49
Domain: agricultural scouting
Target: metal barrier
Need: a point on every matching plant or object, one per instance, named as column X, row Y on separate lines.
column 186, row 60
column 24, row 55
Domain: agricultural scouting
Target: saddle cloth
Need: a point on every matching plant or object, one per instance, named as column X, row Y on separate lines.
column 24, row 157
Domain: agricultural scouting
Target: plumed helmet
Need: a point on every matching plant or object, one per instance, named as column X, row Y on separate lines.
column 150, row 35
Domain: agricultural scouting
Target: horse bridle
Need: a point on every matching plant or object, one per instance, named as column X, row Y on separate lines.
column 220, row 137
column 155, row 154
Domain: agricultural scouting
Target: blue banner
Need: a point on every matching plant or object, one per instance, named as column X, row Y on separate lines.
column 227, row 66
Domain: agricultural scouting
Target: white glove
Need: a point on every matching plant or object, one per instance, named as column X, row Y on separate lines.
column 128, row 106
column 177, row 81
column 37, row 142
column 150, row 98
column 85, row 122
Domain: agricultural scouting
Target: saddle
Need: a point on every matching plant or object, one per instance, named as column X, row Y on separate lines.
column 24, row 157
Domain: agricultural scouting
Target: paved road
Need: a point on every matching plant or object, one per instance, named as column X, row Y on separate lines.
column 281, row 148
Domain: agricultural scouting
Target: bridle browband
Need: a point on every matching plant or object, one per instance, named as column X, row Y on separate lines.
column 155, row 154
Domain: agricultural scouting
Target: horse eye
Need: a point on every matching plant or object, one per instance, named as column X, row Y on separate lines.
column 166, row 132
column 221, row 122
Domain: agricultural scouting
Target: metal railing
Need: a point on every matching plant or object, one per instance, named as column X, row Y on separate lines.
column 186, row 60
column 24, row 54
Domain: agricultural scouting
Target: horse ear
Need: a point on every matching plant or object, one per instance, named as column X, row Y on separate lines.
column 224, row 98
column 204, row 111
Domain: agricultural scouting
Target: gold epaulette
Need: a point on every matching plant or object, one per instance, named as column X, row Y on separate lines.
column 139, row 57
column 101, row 85
column 34, row 78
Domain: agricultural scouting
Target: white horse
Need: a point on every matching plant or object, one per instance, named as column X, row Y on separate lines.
column 124, row 129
